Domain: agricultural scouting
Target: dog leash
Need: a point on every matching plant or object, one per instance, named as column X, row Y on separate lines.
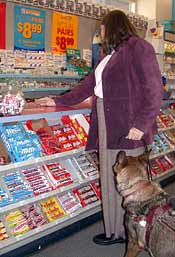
column 146, row 151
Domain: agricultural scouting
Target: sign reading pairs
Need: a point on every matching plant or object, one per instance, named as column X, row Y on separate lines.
column 29, row 28
column 64, row 32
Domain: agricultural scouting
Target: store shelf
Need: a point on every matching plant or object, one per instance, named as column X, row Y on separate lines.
column 13, row 243
column 46, row 89
column 42, row 92
column 153, row 156
column 40, row 77
column 165, row 129
column 41, row 160
column 164, row 175
column 43, row 112
column 56, row 192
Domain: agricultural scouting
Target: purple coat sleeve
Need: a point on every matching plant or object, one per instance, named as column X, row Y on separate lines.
column 149, row 75
column 79, row 93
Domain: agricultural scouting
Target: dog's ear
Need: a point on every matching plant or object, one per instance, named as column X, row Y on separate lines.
column 122, row 159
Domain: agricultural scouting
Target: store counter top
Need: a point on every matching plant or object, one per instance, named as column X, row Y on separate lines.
column 34, row 111
column 32, row 108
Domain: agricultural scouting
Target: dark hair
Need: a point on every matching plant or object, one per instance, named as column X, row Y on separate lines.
column 118, row 28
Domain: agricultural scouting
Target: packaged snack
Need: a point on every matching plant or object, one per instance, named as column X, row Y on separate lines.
column 86, row 195
column 85, row 165
column 37, row 180
column 3, row 232
column 69, row 202
column 17, row 223
column 58, row 175
column 52, row 209
column 18, row 188
column 96, row 186
column 167, row 119
column 34, row 216
column 18, row 143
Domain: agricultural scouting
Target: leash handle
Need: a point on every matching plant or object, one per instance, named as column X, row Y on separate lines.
column 147, row 151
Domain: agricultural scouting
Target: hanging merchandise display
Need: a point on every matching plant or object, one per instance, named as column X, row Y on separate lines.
column 2, row 25
column 64, row 32
column 29, row 28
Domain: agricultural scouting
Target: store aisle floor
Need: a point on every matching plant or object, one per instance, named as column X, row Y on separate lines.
column 80, row 244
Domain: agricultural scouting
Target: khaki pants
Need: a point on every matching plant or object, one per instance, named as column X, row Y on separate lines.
column 111, row 200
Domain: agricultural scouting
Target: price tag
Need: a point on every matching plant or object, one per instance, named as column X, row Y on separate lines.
column 64, row 42
column 27, row 29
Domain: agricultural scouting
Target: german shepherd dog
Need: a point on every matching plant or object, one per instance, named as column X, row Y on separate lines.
column 150, row 213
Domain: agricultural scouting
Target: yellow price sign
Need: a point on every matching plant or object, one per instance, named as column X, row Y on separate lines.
column 27, row 29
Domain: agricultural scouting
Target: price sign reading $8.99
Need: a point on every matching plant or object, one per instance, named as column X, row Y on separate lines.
column 27, row 29
column 64, row 42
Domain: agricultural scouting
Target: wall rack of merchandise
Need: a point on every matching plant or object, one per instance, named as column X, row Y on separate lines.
column 169, row 66
column 163, row 148
column 50, row 182
column 33, row 72
column 34, row 86
column 82, row 8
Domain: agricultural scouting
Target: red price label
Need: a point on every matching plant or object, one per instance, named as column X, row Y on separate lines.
column 63, row 42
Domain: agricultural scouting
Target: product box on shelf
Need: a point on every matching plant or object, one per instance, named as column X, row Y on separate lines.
column 161, row 143
column 52, row 209
column 34, row 216
column 85, row 166
column 16, row 222
column 86, row 195
column 79, row 124
column 4, row 197
column 37, row 180
column 3, row 232
column 165, row 120
column 17, row 187
column 69, row 202
column 19, row 145
column 4, row 158
column 58, row 175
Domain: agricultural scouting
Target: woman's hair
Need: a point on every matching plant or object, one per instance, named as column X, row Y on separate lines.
column 118, row 28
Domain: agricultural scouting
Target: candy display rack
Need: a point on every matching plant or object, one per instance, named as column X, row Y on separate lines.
column 10, row 171
column 165, row 145
column 69, row 208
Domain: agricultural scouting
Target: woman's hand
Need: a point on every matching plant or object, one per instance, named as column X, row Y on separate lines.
column 135, row 134
column 45, row 101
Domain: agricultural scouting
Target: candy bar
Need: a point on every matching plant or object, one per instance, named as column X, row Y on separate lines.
column 17, row 223
column 33, row 216
column 3, row 232
column 69, row 202
column 52, row 209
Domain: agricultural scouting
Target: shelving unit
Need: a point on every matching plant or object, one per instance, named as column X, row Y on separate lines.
column 14, row 242
column 18, row 241
column 33, row 235
column 42, row 91
column 40, row 77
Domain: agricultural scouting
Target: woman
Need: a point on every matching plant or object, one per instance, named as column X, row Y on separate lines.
column 126, row 90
